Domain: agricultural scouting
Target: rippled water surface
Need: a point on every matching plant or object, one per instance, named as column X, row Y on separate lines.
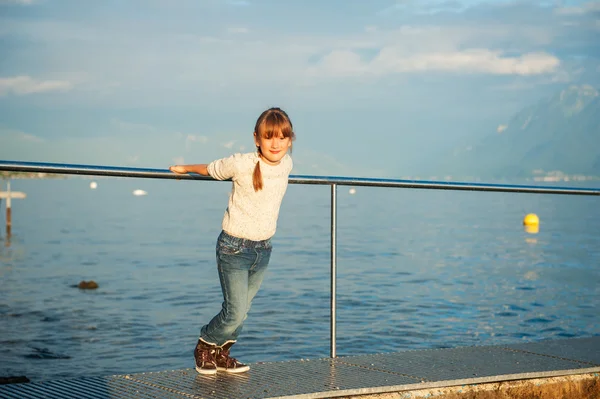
column 416, row 269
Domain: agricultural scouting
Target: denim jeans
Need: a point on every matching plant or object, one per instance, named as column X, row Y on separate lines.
column 242, row 265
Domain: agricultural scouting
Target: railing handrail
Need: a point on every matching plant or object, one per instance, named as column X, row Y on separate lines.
column 118, row 171
column 55, row 168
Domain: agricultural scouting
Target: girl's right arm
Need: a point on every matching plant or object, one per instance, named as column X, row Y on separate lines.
column 182, row 169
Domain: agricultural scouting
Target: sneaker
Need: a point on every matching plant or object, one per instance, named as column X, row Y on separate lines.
column 227, row 363
column 204, row 354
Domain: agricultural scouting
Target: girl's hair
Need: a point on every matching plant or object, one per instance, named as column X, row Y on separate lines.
column 272, row 122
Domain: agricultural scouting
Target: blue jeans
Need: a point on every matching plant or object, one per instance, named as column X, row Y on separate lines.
column 242, row 265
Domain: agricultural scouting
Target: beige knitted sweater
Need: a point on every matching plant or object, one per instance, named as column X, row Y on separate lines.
column 252, row 214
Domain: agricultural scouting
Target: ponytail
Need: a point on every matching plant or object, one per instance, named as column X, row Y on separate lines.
column 257, row 180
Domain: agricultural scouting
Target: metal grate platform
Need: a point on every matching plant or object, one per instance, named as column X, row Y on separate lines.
column 352, row 375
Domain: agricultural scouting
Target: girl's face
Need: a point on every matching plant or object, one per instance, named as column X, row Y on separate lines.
column 272, row 149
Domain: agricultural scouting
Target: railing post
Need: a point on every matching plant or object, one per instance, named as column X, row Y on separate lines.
column 1, row 185
column 333, row 263
column 8, row 211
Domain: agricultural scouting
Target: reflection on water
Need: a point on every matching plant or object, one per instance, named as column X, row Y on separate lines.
column 416, row 269
column 532, row 229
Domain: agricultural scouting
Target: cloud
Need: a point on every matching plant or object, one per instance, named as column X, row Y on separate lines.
column 30, row 137
column 18, row 135
column 20, row 2
column 191, row 138
column 22, row 85
column 179, row 160
column 229, row 144
column 587, row 8
column 172, row 65
column 134, row 128
column 427, row 7
column 392, row 60
column 238, row 30
column 151, row 64
column 238, row 3
column 199, row 139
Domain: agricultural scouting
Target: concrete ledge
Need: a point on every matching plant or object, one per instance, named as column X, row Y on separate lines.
column 580, row 386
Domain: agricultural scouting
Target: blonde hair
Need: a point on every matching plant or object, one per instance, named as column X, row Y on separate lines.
column 272, row 122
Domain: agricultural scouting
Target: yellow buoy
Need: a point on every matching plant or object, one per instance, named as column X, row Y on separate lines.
column 531, row 219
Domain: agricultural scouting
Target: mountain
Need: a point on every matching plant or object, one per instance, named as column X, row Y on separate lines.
column 560, row 134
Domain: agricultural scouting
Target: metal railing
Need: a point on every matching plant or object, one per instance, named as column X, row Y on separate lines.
column 92, row 170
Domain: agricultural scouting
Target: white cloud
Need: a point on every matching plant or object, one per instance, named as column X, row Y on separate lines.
column 341, row 63
column 191, row 138
column 21, row 2
column 395, row 60
column 132, row 127
column 238, row 30
column 229, row 144
column 22, row 85
column 199, row 139
column 18, row 135
column 30, row 137
column 517, row 85
column 428, row 7
column 157, row 66
column 239, row 3
column 590, row 7
column 565, row 76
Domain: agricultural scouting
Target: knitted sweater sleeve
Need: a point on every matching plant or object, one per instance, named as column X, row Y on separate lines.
column 225, row 168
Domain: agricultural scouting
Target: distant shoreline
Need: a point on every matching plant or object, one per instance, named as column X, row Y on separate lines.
column 31, row 175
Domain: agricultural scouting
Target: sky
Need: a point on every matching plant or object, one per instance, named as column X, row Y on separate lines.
column 378, row 88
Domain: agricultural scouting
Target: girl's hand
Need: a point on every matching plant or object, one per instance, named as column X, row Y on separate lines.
column 178, row 169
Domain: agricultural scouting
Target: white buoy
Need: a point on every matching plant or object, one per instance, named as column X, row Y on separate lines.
column 93, row 185
column 139, row 192
column 352, row 191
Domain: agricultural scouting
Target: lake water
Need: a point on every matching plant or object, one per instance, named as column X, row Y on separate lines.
column 416, row 269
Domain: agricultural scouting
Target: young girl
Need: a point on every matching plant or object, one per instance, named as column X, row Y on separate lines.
column 260, row 180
